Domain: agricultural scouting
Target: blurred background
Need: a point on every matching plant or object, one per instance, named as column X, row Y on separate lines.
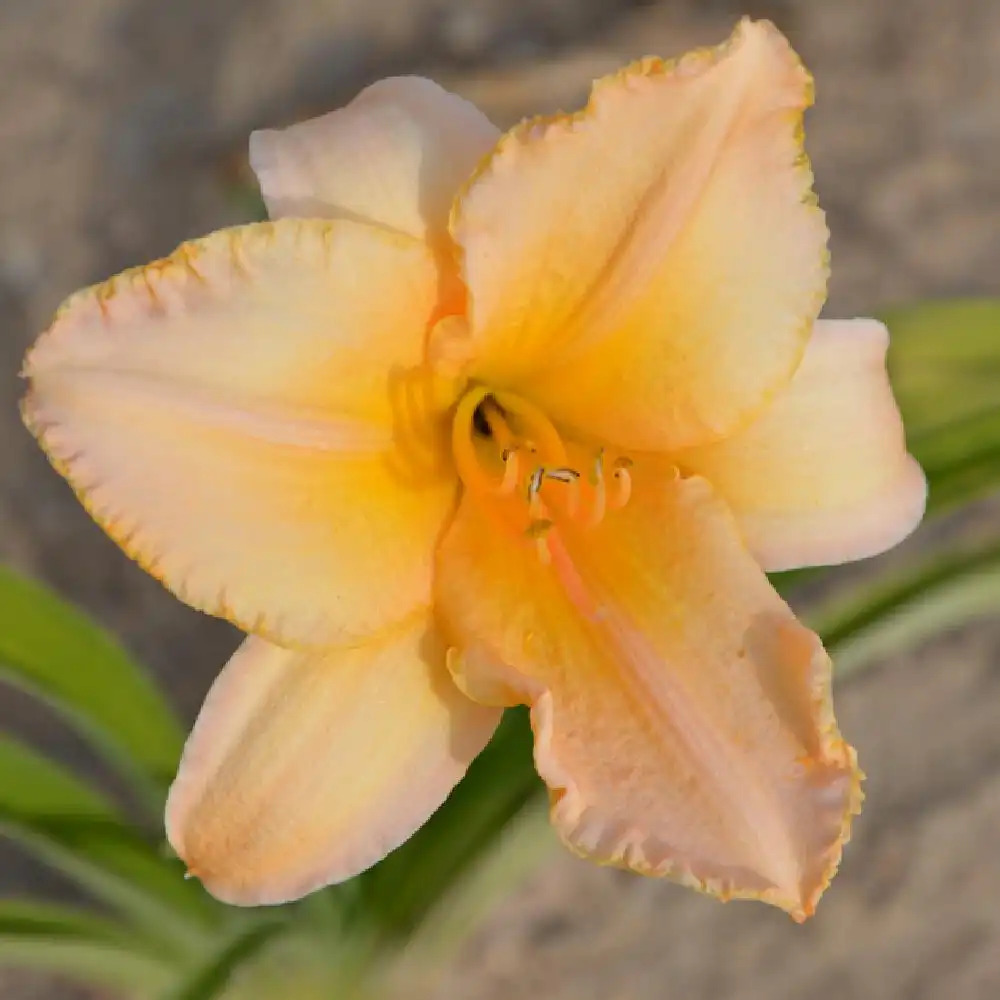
column 123, row 125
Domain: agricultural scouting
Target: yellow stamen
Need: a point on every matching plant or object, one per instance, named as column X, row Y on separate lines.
column 623, row 484
column 499, row 430
column 511, row 466
column 538, row 531
column 534, row 455
column 534, row 489
column 540, row 528
column 599, row 505
column 571, row 478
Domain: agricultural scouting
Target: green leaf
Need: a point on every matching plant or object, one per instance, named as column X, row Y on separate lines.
column 944, row 361
column 961, row 460
column 20, row 916
column 211, row 980
column 55, row 652
column 119, row 868
column 78, row 944
column 31, row 784
column 520, row 848
column 914, row 604
column 77, row 830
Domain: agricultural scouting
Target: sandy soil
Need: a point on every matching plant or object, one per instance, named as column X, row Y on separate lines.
column 119, row 122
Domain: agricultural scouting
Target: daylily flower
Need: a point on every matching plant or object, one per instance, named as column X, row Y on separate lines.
column 480, row 420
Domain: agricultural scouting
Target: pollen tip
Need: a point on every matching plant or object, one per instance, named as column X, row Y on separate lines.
column 539, row 528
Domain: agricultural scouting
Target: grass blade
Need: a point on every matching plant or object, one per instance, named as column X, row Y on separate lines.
column 119, row 868
column 214, row 977
column 79, row 945
column 31, row 784
column 56, row 653
column 897, row 613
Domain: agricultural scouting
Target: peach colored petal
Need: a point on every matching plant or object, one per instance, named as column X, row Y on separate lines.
column 240, row 419
column 682, row 715
column 395, row 156
column 648, row 270
column 305, row 768
column 823, row 476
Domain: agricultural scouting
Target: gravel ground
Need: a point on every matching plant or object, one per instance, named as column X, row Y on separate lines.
column 120, row 120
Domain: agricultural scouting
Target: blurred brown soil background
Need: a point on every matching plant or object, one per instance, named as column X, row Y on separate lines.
column 119, row 124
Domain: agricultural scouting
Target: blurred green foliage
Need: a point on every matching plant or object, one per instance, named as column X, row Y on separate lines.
column 155, row 935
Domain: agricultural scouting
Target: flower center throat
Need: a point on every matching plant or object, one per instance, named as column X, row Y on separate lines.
column 508, row 451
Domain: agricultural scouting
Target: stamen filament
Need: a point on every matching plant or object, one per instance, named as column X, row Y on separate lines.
column 542, row 548
column 534, row 489
column 623, row 483
column 498, row 426
column 571, row 478
column 511, row 466
column 538, row 531
column 491, row 424
column 599, row 505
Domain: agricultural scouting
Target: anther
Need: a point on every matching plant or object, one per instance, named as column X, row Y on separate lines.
column 538, row 530
column 534, row 489
column 562, row 475
column 571, row 478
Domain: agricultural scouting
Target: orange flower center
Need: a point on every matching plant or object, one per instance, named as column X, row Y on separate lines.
column 508, row 451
